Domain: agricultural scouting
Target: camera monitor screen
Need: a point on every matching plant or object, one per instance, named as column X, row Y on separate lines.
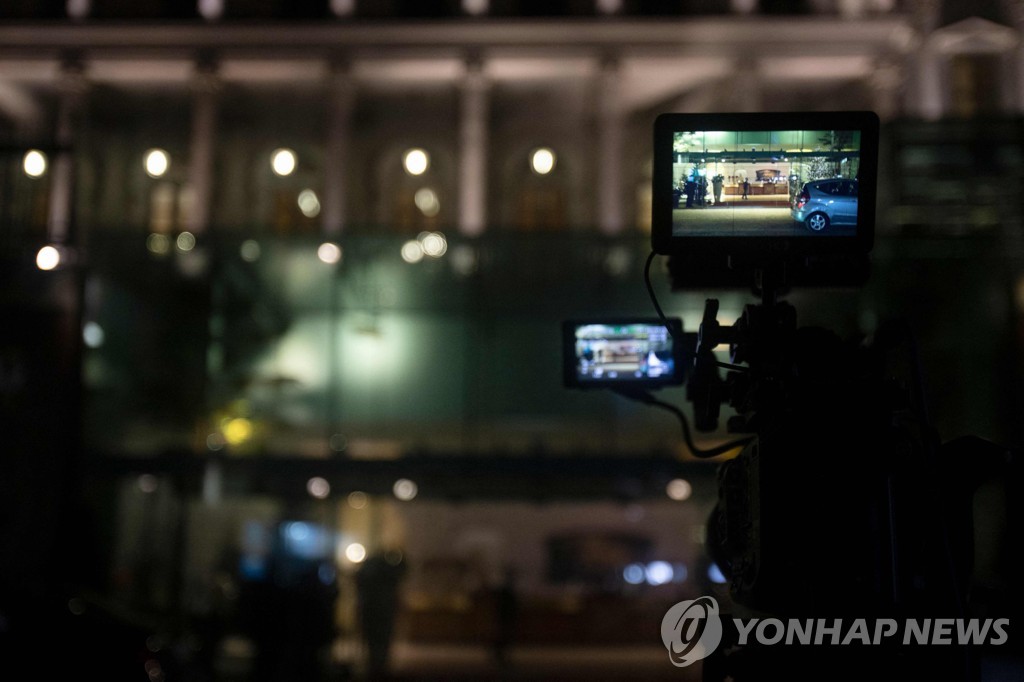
column 802, row 182
column 625, row 352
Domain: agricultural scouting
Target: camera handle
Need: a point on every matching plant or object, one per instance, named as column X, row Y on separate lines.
column 757, row 338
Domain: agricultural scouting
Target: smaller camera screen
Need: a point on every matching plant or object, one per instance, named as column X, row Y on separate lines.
column 765, row 183
column 638, row 353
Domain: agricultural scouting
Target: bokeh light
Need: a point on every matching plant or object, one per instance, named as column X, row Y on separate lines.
column 355, row 552
column 633, row 574
column 34, row 163
column 542, row 161
column 309, row 203
column 412, row 251
column 157, row 162
column 416, row 162
column 405, row 489
column 679, row 489
column 329, row 253
column 250, row 250
column 47, row 258
column 434, row 244
column 92, row 335
column 318, row 487
column 283, row 162
column 158, row 244
column 659, row 573
column 237, row 431
column 186, row 241
column 427, row 202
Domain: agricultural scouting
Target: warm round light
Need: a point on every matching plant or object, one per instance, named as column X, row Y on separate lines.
column 250, row 250
column 343, row 8
column 679, row 489
column 427, row 202
column 158, row 243
column 78, row 9
column 47, row 258
column 186, row 241
column 211, row 10
column 157, row 162
column 405, row 489
column 475, row 7
column 329, row 253
column 237, row 431
column 416, row 162
column 355, row 553
column 434, row 244
column 318, row 487
column 412, row 251
column 34, row 163
column 309, row 204
column 283, row 162
column 542, row 161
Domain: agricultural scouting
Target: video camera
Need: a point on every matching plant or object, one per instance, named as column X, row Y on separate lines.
column 842, row 501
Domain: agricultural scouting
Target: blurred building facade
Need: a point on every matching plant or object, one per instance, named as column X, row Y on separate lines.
column 307, row 255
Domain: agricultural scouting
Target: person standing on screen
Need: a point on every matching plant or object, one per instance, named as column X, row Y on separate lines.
column 746, row 188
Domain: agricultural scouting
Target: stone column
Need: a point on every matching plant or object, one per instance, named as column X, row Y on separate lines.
column 73, row 86
column 885, row 82
column 1016, row 13
column 341, row 94
column 473, row 150
column 205, row 91
column 746, row 92
column 927, row 94
column 610, row 134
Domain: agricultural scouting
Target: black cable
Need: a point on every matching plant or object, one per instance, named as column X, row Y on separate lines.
column 664, row 319
column 654, row 298
column 700, row 453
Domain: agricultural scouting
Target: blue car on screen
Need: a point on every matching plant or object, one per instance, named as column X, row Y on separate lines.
column 823, row 203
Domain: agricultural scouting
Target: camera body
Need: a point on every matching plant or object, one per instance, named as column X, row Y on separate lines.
column 842, row 502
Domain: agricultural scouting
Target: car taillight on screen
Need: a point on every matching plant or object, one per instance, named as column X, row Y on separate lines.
column 801, row 199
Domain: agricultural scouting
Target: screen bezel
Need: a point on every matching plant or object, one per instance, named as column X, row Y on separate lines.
column 675, row 327
column 666, row 125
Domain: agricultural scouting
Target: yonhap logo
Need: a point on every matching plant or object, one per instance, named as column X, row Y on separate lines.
column 691, row 630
